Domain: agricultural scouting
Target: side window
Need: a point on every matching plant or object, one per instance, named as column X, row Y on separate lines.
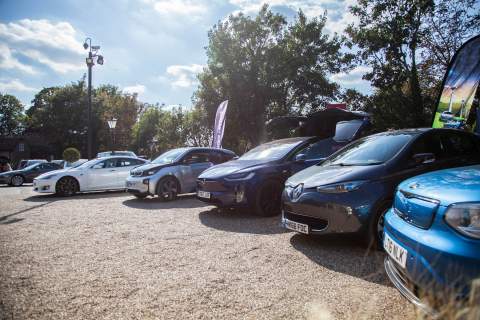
column 317, row 150
column 110, row 163
column 50, row 166
column 125, row 162
column 197, row 157
column 458, row 144
column 137, row 162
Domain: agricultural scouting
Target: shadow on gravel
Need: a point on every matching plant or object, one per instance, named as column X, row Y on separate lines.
column 88, row 195
column 343, row 254
column 6, row 219
column 184, row 201
column 240, row 221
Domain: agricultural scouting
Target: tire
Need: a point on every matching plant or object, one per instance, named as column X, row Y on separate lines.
column 140, row 196
column 168, row 188
column 17, row 180
column 268, row 200
column 67, row 187
column 375, row 230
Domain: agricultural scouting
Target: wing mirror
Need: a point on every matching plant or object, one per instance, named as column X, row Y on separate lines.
column 301, row 157
column 424, row 158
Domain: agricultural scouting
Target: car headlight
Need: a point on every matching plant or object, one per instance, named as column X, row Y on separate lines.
column 465, row 218
column 48, row 176
column 150, row 172
column 340, row 187
column 240, row 176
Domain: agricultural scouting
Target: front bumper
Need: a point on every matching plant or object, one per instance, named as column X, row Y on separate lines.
column 5, row 179
column 138, row 185
column 440, row 263
column 326, row 213
column 44, row 186
column 224, row 194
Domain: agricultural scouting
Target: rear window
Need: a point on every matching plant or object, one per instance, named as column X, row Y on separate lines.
column 345, row 131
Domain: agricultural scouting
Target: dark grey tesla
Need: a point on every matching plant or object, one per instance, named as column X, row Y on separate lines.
column 351, row 190
column 26, row 175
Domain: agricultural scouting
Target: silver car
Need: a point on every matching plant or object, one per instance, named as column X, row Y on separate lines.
column 174, row 172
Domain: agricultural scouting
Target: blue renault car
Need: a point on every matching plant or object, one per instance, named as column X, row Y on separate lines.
column 432, row 236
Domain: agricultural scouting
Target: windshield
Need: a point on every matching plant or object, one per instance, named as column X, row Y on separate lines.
column 169, row 156
column 369, row 151
column 270, row 151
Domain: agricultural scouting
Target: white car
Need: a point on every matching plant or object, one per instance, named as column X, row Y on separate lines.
column 107, row 173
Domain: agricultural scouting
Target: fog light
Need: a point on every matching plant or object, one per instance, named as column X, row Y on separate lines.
column 239, row 195
column 146, row 181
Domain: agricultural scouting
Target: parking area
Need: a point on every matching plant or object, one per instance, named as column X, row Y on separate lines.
column 111, row 256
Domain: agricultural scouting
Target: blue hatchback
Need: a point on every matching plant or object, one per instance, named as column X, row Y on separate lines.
column 432, row 236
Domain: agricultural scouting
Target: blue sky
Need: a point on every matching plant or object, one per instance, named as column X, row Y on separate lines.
column 152, row 47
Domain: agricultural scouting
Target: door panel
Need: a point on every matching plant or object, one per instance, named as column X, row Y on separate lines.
column 102, row 175
column 193, row 164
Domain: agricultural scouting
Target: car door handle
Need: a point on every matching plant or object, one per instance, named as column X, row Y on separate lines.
column 113, row 170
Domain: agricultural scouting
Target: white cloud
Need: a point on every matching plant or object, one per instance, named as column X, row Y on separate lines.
column 42, row 33
column 352, row 78
column 60, row 67
column 184, row 76
column 8, row 61
column 14, row 85
column 138, row 89
column 338, row 15
column 178, row 7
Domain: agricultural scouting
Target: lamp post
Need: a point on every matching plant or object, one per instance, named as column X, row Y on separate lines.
column 112, row 124
column 90, row 60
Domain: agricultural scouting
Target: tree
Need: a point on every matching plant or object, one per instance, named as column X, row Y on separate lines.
column 71, row 155
column 408, row 44
column 11, row 115
column 266, row 67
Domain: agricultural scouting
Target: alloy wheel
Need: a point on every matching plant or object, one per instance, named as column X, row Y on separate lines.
column 168, row 189
column 17, row 181
column 67, row 187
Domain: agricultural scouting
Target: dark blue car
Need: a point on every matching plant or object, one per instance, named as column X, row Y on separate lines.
column 351, row 191
column 432, row 236
column 256, row 179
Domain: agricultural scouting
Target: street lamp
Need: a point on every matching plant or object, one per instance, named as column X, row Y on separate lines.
column 90, row 60
column 112, row 124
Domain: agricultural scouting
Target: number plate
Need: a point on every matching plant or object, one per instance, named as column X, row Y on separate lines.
column 203, row 194
column 295, row 226
column 395, row 251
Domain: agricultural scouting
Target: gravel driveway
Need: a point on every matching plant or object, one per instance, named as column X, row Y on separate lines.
column 110, row 256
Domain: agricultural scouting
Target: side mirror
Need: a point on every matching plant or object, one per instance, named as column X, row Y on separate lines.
column 424, row 158
column 301, row 157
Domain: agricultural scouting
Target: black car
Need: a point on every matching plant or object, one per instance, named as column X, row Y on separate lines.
column 351, row 190
column 26, row 175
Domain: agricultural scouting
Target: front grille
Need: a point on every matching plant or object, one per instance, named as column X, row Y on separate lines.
column 136, row 173
column 210, row 185
column 313, row 223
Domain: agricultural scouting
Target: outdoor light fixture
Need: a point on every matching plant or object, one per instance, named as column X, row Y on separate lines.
column 90, row 60
column 112, row 123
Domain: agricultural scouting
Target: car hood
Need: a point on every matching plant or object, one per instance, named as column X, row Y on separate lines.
column 56, row 172
column 149, row 166
column 322, row 175
column 9, row 173
column 224, row 169
column 447, row 186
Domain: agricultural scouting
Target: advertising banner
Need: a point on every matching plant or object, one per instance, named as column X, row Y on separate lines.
column 219, row 124
column 456, row 107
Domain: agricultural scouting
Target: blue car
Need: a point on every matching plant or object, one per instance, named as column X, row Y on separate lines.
column 256, row 179
column 432, row 236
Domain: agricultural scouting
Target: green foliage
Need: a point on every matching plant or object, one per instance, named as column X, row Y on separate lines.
column 11, row 115
column 71, row 155
column 159, row 129
column 266, row 68
column 60, row 114
column 408, row 45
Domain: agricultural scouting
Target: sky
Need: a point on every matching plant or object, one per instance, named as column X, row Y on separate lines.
column 154, row 48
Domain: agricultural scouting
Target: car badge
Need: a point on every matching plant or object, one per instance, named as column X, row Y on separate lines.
column 414, row 185
column 297, row 191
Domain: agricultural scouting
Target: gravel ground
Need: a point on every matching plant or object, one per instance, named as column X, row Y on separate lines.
column 110, row 256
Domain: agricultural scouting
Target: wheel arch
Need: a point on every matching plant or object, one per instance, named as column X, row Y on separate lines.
column 169, row 175
column 69, row 177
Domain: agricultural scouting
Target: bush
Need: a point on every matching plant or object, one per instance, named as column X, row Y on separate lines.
column 71, row 155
